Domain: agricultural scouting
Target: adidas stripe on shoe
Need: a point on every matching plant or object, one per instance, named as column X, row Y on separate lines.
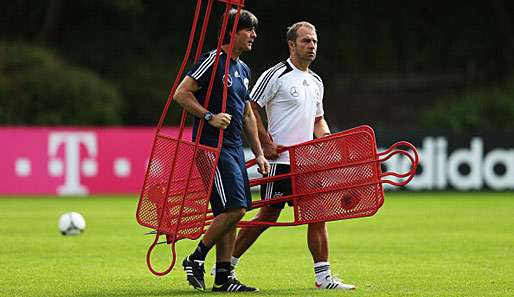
column 332, row 283
column 194, row 272
column 233, row 285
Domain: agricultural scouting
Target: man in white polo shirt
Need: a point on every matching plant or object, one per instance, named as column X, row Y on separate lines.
column 292, row 96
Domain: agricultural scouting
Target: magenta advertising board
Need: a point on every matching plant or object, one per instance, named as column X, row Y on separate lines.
column 74, row 161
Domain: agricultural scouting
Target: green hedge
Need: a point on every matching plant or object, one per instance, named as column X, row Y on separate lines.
column 487, row 109
column 38, row 88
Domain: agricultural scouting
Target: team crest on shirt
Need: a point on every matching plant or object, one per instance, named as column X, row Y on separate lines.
column 246, row 82
column 229, row 80
column 294, row 92
column 305, row 83
column 278, row 195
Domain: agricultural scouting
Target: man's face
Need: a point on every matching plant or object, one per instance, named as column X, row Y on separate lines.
column 244, row 39
column 306, row 44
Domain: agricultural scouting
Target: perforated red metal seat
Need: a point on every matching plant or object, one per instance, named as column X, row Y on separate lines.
column 337, row 177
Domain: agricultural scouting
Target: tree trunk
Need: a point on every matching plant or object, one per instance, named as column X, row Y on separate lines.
column 504, row 24
column 53, row 12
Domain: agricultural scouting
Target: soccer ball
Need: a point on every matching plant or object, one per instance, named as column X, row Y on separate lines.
column 72, row 223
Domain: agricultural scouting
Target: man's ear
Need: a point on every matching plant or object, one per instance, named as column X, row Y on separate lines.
column 290, row 43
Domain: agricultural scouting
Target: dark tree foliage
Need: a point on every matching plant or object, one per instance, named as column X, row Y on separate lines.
column 38, row 88
column 383, row 62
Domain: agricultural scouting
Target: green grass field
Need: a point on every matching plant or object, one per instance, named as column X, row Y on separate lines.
column 416, row 245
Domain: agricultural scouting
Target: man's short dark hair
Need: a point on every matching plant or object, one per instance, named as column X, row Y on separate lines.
column 247, row 20
column 292, row 32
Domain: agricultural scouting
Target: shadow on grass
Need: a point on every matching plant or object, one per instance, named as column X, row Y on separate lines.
column 143, row 293
column 190, row 292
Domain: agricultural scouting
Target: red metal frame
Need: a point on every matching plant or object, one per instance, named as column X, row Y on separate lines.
column 376, row 180
column 159, row 197
column 179, row 178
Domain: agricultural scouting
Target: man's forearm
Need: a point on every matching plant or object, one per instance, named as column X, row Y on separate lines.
column 261, row 130
column 321, row 128
column 252, row 135
column 188, row 101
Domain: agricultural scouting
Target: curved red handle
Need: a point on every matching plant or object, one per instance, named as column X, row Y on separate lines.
column 390, row 152
column 149, row 253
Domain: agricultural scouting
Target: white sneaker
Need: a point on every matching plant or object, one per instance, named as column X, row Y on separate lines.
column 232, row 272
column 334, row 283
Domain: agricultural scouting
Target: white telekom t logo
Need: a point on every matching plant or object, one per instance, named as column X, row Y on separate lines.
column 72, row 162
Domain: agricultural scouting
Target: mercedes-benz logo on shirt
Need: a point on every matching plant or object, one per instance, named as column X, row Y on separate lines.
column 229, row 80
column 294, row 92
column 278, row 195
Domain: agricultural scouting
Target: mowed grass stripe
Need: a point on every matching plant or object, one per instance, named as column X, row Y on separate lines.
column 418, row 244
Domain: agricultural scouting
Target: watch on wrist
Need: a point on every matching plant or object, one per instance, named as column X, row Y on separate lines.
column 208, row 116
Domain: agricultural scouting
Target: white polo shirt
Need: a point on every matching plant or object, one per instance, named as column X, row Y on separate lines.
column 292, row 99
